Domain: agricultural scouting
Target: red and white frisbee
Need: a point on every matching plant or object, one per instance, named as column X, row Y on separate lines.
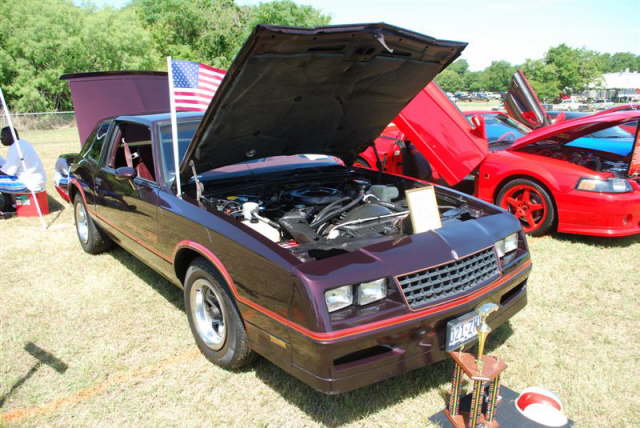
column 541, row 406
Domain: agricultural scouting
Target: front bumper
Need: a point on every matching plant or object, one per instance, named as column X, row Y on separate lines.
column 600, row 214
column 339, row 365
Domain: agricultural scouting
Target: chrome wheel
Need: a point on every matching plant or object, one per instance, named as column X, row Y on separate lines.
column 82, row 223
column 207, row 310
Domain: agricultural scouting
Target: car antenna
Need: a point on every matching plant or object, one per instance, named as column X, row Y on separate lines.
column 199, row 186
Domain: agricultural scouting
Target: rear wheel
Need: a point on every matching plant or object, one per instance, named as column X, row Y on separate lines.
column 530, row 203
column 213, row 317
column 91, row 238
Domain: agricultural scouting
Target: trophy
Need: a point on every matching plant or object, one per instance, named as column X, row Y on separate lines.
column 484, row 368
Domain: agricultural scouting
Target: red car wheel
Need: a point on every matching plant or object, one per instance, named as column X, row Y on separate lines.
column 530, row 203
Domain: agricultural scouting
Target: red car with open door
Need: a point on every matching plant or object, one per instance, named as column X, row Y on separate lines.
column 544, row 182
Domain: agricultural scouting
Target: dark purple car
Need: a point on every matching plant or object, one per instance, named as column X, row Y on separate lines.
column 282, row 247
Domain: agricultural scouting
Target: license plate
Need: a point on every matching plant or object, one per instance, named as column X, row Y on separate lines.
column 462, row 330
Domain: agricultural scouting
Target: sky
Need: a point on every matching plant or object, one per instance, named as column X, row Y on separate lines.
column 511, row 30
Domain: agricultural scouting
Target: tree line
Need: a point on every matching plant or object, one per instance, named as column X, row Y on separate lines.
column 43, row 39
column 562, row 70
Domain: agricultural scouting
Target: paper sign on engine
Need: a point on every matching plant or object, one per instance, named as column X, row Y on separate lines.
column 423, row 208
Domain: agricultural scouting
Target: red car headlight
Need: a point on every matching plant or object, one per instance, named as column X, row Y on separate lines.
column 610, row 185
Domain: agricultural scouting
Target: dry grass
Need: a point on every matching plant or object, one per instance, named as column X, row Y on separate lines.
column 131, row 360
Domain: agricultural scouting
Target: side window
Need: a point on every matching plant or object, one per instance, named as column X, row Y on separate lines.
column 93, row 146
column 131, row 147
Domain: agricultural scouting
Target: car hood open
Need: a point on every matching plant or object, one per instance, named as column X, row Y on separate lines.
column 442, row 134
column 327, row 90
column 569, row 130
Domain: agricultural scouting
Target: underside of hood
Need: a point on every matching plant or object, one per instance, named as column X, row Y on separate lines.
column 569, row 130
column 327, row 90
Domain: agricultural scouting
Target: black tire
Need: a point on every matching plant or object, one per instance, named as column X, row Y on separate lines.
column 544, row 222
column 93, row 240
column 233, row 350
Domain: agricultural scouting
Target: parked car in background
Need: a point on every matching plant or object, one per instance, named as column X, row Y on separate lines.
column 281, row 246
column 543, row 178
column 521, row 103
column 501, row 129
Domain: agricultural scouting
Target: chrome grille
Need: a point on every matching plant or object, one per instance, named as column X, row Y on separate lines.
column 447, row 280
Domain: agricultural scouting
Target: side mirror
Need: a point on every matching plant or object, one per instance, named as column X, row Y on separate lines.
column 125, row 173
column 478, row 129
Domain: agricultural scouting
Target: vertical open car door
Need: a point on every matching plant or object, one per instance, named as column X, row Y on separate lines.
column 453, row 146
column 634, row 163
column 522, row 103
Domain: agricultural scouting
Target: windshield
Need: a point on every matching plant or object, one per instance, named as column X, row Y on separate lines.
column 185, row 134
column 502, row 129
column 613, row 132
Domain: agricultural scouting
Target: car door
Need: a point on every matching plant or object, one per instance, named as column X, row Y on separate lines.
column 522, row 103
column 85, row 168
column 127, row 203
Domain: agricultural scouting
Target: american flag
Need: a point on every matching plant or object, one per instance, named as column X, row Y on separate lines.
column 194, row 84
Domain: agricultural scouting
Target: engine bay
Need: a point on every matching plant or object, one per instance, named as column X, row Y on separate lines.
column 327, row 216
column 591, row 159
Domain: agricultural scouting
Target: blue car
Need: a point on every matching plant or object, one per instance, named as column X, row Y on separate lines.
column 612, row 140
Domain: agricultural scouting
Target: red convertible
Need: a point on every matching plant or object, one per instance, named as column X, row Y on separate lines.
column 539, row 178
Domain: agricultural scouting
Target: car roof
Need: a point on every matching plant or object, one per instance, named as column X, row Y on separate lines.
column 150, row 119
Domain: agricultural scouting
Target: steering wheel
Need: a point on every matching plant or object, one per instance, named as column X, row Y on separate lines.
column 504, row 136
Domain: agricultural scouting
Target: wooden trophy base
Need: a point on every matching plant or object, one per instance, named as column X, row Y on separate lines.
column 462, row 420
column 492, row 367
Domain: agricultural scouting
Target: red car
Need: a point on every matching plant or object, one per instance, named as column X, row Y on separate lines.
column 542, row 181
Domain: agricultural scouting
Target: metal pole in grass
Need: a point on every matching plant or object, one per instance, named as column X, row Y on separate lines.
column 24, row 166
column 174, row 128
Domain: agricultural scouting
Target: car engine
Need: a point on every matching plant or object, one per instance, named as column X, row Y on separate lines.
column 594, row 160
column 324, row 218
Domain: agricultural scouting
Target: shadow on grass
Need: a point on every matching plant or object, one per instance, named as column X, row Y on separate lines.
column 54, row 205
column 598, row 241
column 165, row 288
column 337, row 410
column 331, row 410
column 43, row 357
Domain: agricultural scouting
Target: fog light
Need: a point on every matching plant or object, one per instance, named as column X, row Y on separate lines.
column 338, row 298
column 372, row 291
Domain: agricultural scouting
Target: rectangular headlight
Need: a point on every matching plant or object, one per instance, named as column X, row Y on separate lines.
column 611, row 185
column 372, row 291
column 507, row 245
column 338, row 298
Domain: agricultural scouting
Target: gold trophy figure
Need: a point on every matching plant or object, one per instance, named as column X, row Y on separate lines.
column 483, row 330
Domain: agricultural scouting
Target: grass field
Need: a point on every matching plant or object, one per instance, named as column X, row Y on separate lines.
column 125, row 355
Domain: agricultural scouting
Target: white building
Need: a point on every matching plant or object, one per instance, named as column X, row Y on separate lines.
column 621, row 87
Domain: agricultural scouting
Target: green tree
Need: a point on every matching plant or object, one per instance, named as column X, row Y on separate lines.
column 63, row 38
column 474, row 81
column 460, row 66
column 575, row 68
column 450, row 81
column 212, row 31
column 543, row 78
column 496, row 77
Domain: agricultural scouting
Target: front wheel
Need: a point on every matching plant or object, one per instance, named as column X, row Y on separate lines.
column 213, row 317
column 530, row 203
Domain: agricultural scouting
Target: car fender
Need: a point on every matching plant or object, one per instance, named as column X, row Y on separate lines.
column 501, row 167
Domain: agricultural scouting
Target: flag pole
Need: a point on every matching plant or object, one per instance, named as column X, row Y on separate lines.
column 24, row 165
column 174, row 129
